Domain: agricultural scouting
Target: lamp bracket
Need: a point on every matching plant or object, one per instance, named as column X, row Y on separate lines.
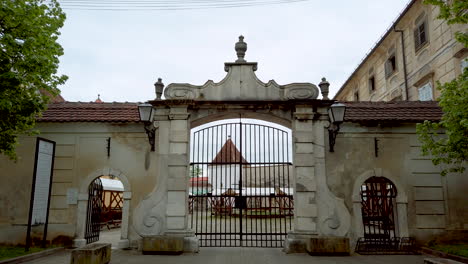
column 333, row 130
column 150, row 130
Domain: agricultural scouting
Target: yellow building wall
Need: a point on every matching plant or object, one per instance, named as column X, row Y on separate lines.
column 438, row 60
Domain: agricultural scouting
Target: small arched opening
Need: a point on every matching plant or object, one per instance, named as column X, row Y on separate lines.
column 378, row 196
column 380, row 214
column 103, row 209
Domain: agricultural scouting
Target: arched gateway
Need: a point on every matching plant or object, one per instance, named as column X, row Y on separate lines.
column 166, row 214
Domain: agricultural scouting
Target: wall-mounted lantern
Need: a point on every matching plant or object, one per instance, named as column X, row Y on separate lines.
column 146, row 115
column 336, row 113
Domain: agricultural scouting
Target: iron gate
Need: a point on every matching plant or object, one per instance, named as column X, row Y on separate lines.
column 240, row 194
column 377, row 198
column 93, row 215
column 378, row 216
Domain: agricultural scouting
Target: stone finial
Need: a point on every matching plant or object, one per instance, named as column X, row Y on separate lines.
column 241, row 48
column 324, row 85
column 159, row 87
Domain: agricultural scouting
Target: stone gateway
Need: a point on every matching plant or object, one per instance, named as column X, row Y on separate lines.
column 330, row 186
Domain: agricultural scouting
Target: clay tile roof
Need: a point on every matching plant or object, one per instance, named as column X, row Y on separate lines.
column 90, row 112
column 229, row 154
column 403, row 111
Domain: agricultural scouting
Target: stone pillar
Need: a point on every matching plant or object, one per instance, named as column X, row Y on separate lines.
column 305, row 207
column 80, row 241
column 177, row 182
column 124, row 242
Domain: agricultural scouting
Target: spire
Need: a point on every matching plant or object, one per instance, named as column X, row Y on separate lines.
column 98, row 100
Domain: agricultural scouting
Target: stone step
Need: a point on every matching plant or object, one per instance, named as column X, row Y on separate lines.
column 440, row 261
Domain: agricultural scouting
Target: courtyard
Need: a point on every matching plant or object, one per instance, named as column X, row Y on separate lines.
column 238, row 255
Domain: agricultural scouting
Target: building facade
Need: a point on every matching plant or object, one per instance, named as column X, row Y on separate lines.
column 327, row 198
column 416, row 51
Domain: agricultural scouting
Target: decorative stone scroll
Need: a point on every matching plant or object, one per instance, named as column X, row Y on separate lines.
column 241, row 84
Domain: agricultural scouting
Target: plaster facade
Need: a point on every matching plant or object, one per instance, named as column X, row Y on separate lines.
column 81, row 156
column 156, row 184
column 440, row 58
column 428, row 205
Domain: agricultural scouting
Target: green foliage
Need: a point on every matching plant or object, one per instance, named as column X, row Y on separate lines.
column 28, row 65
column 196, row 171
column 454, row 249
column 7, row 252
column 450, row 148
column 454, row 12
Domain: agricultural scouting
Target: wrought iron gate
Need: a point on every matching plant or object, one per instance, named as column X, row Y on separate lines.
column 93, row 215
column 378, row 216
column 240, row 194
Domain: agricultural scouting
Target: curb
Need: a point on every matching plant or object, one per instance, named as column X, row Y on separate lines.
column 32, row 256
column 438, row 254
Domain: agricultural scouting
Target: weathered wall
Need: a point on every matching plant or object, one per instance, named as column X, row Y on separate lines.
column 436, row 205
column 81, row 150
column 438, row 60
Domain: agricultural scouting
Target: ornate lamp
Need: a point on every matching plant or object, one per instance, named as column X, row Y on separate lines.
column 146, row 115
column 336, row 114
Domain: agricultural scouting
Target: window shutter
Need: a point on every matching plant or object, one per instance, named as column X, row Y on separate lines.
column 422, row 33
column 417, row 43
column 388, row 69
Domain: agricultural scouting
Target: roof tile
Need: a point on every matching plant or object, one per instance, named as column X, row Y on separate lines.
column 402, row 111
column 90, row 112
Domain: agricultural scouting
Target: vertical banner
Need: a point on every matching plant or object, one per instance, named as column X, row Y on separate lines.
column 41, row 188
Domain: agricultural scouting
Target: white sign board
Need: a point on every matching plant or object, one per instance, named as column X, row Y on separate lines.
column 42, row 183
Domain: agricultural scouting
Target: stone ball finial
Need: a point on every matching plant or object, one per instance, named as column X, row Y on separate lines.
column 159, row 87
column 324, row 88
column 241, row 48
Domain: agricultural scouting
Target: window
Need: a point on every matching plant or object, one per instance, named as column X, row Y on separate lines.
column 356, row 96
column 390, row 65
column 420, row 33
column 425, row 92
column 464, row 64
column 371, row 84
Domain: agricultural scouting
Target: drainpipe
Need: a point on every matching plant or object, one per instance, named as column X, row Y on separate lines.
column 404, row 61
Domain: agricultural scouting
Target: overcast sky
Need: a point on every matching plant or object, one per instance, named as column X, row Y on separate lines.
column 120, row 54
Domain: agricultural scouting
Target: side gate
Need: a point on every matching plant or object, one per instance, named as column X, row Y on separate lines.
column 93, row 215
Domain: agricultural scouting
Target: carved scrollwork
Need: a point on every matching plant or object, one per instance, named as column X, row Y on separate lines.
column 180, row 93
column 301, row 91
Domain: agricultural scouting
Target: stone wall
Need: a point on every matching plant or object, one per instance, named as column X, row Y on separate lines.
column 81, row 155
column 438, row 60
column 431, row 205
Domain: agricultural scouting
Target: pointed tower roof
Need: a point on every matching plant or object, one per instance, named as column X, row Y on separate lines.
column 229, row 154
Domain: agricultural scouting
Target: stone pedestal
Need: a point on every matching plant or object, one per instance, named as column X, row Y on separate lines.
column 296, row 242
column 96, row 253
column 79, row 242
column 162, row 245
column 328, row 246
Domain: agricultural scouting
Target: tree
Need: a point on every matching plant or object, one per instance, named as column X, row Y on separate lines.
column 450, row 149
column 28, row 65
column 196, row 171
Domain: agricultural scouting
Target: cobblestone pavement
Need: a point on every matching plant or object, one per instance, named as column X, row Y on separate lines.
column 236, row 256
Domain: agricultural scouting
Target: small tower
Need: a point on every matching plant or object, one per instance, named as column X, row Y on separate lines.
column 98, row 100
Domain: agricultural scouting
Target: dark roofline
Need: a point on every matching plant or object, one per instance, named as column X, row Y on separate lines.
column 389, row 30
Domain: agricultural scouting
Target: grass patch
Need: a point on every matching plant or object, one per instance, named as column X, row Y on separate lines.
column 455, row 249
column 7, row 252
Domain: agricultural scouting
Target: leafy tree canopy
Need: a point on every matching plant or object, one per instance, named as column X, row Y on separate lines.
column 28, row 65
column 450, row 149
